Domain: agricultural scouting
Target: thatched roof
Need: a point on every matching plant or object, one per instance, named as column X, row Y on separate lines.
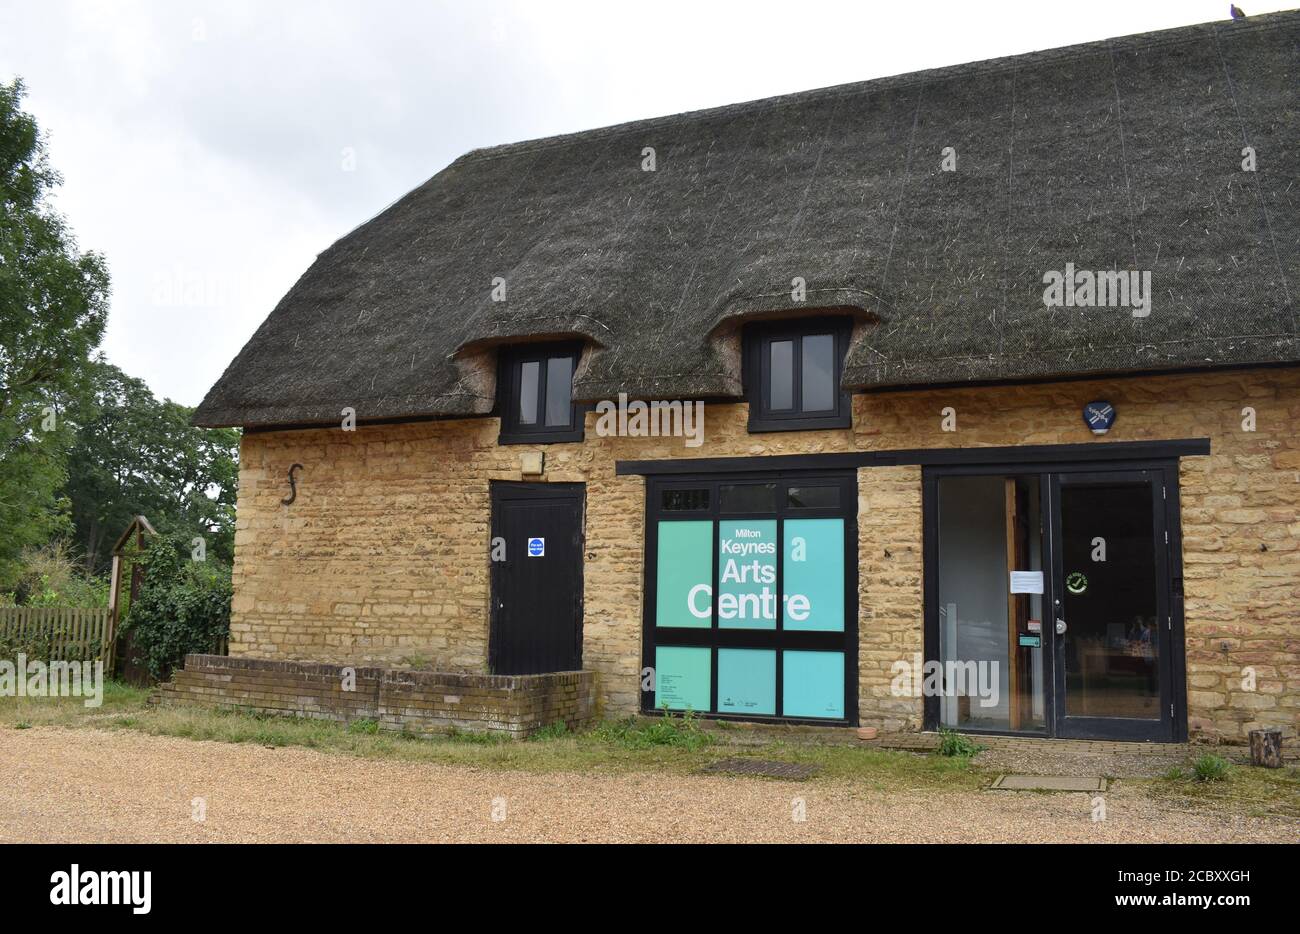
column 1123, row 154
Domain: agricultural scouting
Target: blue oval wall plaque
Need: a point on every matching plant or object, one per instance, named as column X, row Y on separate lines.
column 1099, row 416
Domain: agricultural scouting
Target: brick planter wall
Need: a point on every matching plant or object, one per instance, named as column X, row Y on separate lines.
column 399, row 700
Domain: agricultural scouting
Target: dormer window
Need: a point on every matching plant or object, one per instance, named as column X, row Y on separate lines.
column 792, row 374
column 535, row 394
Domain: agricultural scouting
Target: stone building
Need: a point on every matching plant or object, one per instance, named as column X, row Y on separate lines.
column 966, row 397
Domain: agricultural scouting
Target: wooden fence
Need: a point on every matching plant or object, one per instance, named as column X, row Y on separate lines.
column 71, row 633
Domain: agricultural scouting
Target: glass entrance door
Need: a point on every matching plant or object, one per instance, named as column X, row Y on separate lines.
column 1112, row 619
column 1052, row 601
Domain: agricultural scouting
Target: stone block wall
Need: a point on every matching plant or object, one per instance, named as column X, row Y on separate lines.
column 890, row 575
column 398, row 700
column 383, row 558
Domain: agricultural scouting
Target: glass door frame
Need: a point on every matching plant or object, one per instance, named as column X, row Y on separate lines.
column 1163, row 474
column 778, row 639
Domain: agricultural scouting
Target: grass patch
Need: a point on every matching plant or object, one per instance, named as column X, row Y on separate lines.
column 1211, row 769
column 455, row 735
column 683, row 732
column 1219, row 785
column 71, row 711
column 953, row 744
column 546, row 733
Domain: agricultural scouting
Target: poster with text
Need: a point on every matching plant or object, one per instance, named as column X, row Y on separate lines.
column 747, row 597
column 747, row 681
column 813, row 684
column 682, row 677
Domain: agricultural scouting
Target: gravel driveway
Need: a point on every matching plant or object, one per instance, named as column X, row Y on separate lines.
column 92, row 786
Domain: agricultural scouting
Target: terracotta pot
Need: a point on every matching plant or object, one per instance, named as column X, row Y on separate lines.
column 867, row 732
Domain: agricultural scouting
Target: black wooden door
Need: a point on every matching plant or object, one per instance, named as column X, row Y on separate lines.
column 536, row 618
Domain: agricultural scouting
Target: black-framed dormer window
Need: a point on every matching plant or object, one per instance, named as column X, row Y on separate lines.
column 535, row 394
column 792, row 374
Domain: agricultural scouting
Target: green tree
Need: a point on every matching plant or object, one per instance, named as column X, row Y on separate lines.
column 133, row 455
column 183, row 606
column 53, row 307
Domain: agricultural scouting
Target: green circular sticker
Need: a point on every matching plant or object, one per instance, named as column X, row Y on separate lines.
column 1076, row 582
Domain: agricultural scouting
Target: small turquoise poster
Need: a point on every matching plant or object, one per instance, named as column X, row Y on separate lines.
column 682, row 677
column 813, row 684
column 747, row 681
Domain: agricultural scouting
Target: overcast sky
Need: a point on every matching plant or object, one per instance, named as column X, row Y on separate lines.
column 211, row 150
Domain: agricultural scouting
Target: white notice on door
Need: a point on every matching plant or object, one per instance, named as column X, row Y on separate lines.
column 1026, row 581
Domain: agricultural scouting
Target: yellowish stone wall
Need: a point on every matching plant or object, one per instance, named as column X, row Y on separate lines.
column 384, row 556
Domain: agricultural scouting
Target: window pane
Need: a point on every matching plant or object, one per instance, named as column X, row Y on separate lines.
column 682, row 593
column 752, row 497
column 679, row 500
column 988, row 632
column 813, row 497
column 747, row 681
column 1112, row 653
column 782, row 374
column 813, row 684
column 528, row 392
column 683, row 677
column 747, row 594
column 813, row 584
column 818, row 382
column 559, row 391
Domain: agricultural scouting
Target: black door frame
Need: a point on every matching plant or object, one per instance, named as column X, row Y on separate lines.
column 778, row 638
column 502, row 491
column 1164, row 473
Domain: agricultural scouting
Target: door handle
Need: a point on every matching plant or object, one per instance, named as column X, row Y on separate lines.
column 1060, row 626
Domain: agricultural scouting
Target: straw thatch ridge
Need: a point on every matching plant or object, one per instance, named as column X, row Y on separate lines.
column 1123, row 154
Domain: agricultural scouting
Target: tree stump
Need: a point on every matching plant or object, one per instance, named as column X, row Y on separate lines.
column 1266, row 748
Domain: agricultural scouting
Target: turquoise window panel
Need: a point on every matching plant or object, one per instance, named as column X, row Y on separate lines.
column 683, row 591
column 747, row 681
column 683, row 677
column 747, row 594
column 813, row 684
column 814, row 575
